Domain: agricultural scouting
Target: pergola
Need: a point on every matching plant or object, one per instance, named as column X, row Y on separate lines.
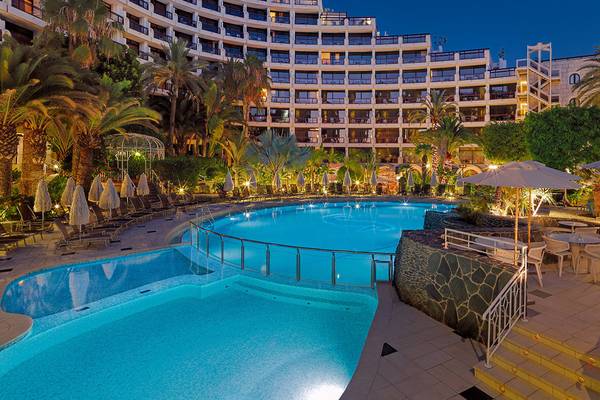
column 123, row 147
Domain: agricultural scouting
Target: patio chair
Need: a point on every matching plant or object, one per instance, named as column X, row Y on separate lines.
column 535, row 257
column 102, row 221
column 559, row 249
column 591, row 253
column 149, row 206
column 76, row 238
column 588, row 230
column 547, row 230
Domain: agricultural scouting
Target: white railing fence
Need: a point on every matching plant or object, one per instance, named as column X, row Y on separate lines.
column 510, row 305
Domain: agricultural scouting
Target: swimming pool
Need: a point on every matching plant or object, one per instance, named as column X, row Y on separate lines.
column 357, row 228
column 196, row 334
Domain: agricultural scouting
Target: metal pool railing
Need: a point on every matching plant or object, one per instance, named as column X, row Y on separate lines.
column 237, row 249
column 510, row 305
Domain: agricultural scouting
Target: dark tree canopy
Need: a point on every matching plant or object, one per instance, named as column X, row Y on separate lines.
column 564, row 137
column 503, row 142
column 124, row 67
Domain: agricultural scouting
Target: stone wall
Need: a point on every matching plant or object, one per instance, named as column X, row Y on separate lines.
column 452, row 287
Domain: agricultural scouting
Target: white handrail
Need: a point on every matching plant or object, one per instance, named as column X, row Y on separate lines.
column 510, row 305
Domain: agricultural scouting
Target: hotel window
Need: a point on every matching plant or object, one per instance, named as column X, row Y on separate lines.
column 280, row 115
column 359, row 58
column 333, row 39
column 306, row 97
column 280, row 36
column 387, row 58
column 306, row 77
column 363, row 97
column 280, row 56
column 333, row 78
column 443, row 75
column 307, row 38
column 280, row 76
column 280, row 17
column 574, row 79
column 416, row 76
column 387, row 77
column 257, row 34
column 470, row 73
column 333, row 97
column 306, row 58
column 359, row 78
column 280, row 96
column 260, row 54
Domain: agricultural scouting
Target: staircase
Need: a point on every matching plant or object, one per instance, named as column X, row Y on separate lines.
column 530, row 365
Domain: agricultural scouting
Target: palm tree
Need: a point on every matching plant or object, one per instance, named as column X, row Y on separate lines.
column 176, row 73
column 247, row 82
column 219, row 113
column 277, row 152
column 60, row 136
column 235, row 146
column 28, row 84
column 446, row 139
column 316, row 164
column 588, row 88
column 437, row 105
column 109, row 116
column 87, row 25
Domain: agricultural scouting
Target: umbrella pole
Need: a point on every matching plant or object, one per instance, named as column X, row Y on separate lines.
column 529, row 215
column 517, row 226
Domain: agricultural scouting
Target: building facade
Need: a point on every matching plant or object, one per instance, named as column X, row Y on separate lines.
column 337, row 83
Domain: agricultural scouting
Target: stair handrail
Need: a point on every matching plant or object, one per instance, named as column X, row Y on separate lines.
column 510, row 305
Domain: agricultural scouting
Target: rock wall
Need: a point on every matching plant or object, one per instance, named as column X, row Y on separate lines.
column 452, row 287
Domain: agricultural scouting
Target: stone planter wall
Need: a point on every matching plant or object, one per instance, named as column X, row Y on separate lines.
column 452, row 287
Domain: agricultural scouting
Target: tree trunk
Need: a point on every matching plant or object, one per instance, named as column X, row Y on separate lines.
column 76, row 157
column 8, row 151
column 205, row 140
column 83, row 176
column 171, row 138
column 34, row 157
column 246, row 111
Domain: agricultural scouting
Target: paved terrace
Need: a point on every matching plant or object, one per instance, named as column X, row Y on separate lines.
column 407, row 354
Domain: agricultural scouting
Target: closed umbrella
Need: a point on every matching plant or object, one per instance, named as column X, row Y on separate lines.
column 252, row 180
column 410, row 181
column 524, row 175
column 67, row 195
column 300, row 180
column 325, row 181
column 80, row 212
column 433, row 181
column 459, row 181
column 347, row 180
column 109, row 199
column 373, row 180
column 142, row 188
column 127, row 187
column 95, row 190
column 277, row 182
column 228, row 186
column 42, row 202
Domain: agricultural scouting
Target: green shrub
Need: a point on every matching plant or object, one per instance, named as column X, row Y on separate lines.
column 56, row 186
column 187, row 171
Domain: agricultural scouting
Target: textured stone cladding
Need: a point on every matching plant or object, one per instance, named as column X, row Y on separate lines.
column 451, row 287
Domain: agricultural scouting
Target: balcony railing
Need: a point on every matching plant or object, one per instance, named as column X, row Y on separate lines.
column 471, row 97
column 333, row 120
column 305, row 2
column 502, row 116
column 502, row 95
column 414, row 59
column 420, row 38
column 470, row 77
column 333, row 61
column 234, row 33
column 438, row 57
column 386, row 81
column 387, row 100
column 359, row 81
column 280, row 19
column 412, row 99
column 359, row 61
column 329, row 41
column 307, row 120
column 307, row 81
column 234, row 12
column 280, row 39
column 333, row 81
column 280, row 120
column 258, row 118
column 384, row 40
column 471, row 54
column 163, row 36
column 414, row 79
column 143, row 55
column 305, row 60
column 387, row 120
column 306, row 100
column 116, row 17
column 306, row 20
column 334, row 100
column 360, row 41
column 256, row 16
column 29, row 8
column 211, row 49
column 359, row 139
column 386, row 138
column 182, row 19
column 258, row 37
column 281, row 79
column 141, row 3
column 138, row 27
column 386, row 60
column 306, row 40
column 360, row 101
column 280, row 99
column 360, row 120
column 164, row 13
column 211, row 28
column 502, row 73
column 194, row 2
column 333, row 139
column 443, row 78
column 359, row 21
column 280, row 59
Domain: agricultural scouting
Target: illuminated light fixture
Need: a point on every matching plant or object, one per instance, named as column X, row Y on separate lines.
column 181, row 190
column 56, row 167
column 247, row 183
column 493, row 166
column 137, row 154
column 57, row 206
column 428, row 165
column 357, row 182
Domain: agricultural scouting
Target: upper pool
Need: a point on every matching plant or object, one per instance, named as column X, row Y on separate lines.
column 354, row 227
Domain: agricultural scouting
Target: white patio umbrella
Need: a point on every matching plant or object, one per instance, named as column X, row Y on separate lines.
column 524, row 175
column 127, row 187
column 228, row 186
column 80, row 212
column 300, row 180
column 67, row 195
column 433, row 181
column 95, row 190
column 410, row 181
column 347, row 180
column 43, row 202
column 277, row 182
column 373, row 180
column 594, row 165
column 325, row 181
column 109, row 199
column 142, row 188
column 252, row 180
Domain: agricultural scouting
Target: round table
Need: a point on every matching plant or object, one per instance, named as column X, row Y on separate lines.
column 500, row 248
column 577, row 242
column 573, row 224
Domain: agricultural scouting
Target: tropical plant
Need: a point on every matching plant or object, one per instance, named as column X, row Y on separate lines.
column 588, row 88
column 186, row 171
column 316, row 164
column 112, row 114
column 247, row 82
column 87, row 25
column 123, row 67
column 446, row 139
column 436, row 106
column 503, row 142
column 176, row 73
column 29, row 83
column 219, row 115
column 235, row 146
column 277, row 152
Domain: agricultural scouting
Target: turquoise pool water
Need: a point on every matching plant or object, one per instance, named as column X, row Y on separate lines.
column 356, row 226
column 244, row 339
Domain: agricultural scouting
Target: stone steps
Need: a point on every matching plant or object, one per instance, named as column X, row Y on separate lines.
column 532, row 365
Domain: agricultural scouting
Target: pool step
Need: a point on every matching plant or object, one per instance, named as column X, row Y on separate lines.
column 527, row 360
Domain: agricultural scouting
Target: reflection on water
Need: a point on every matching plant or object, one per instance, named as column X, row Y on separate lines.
column 67, row 288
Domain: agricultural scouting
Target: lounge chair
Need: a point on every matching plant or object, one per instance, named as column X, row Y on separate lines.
column 559, row 249
column 72, row 238
column 149, row 206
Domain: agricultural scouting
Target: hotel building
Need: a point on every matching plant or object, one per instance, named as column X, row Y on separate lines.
column 336, row 81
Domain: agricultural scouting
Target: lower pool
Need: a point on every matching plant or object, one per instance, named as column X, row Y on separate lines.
column 233, row 338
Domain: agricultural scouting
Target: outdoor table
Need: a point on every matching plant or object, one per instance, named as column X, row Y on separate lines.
column 503, row 248
column 573, row 224
column 577, row 242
